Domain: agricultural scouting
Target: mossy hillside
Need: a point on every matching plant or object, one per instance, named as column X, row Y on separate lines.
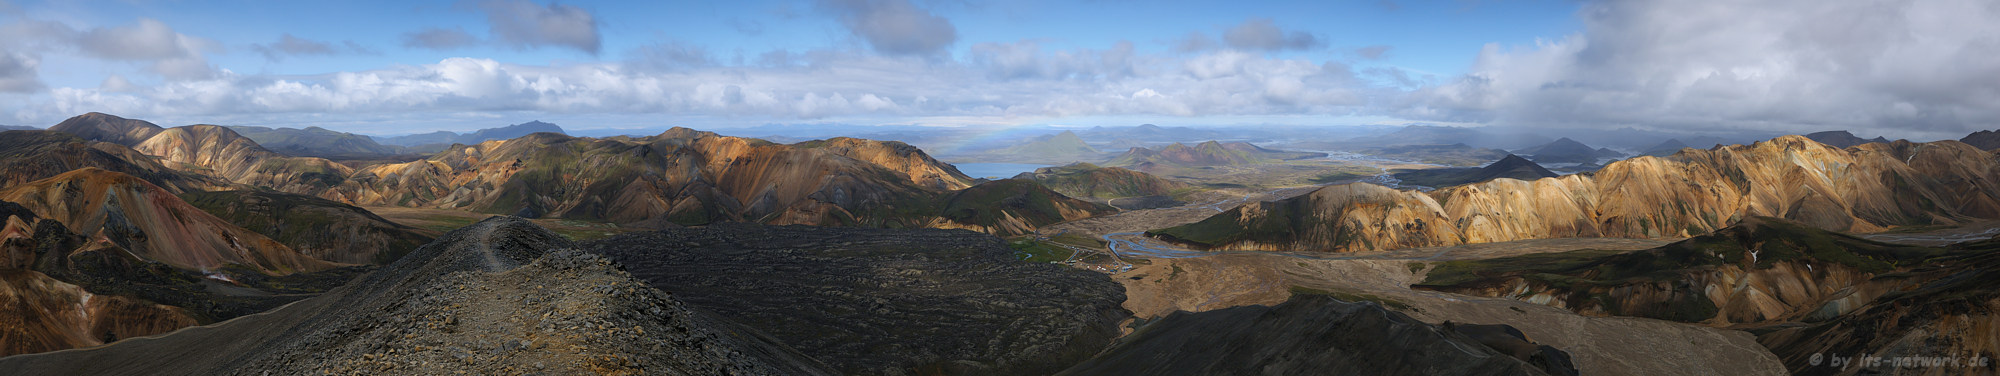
column 302, row 221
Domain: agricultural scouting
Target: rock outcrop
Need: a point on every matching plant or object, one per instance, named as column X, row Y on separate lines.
column 1866, row 188
column 499, row 297
column 884, row 301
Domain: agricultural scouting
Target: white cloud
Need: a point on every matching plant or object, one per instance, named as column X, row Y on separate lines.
column 523, row 24
column 1781, row 65
column 894, row 27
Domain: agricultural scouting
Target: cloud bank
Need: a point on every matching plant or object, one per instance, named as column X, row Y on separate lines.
column 1787, row 65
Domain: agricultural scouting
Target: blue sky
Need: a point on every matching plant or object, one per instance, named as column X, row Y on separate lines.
column 386, row 67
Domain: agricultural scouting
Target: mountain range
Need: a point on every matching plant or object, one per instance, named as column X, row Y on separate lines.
column 435, row 141
column 1842, row 139
column 1867, row 188
column 319, row 142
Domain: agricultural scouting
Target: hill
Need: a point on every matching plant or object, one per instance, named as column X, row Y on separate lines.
column 1565, row 150
column 1088, row 180
column 499, row 296
column 1867, row 188
column 1511, row 167
column 97, row 126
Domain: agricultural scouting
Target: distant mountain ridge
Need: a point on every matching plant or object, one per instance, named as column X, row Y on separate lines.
column 437, row 140
column 1984, row 140
column 1842, row 139
column 318, row 142
column 1211, row 153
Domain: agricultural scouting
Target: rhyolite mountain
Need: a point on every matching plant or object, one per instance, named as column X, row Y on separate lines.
column 152, row 223
column 318, row 142
column 681, row 176
column 1211, row 153
column 34, row 155
column 1866, row 188
column 93, row 256
column 439, row 140
column 690, row 177
column 1511, row 167
column 1842, row 139
column 1565, row 150
column 210, row 150
column 500, row 296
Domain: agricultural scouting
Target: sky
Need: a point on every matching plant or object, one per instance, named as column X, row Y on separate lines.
column 1906, row 69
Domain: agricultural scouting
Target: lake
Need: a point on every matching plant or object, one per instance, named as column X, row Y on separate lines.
column 996, row 170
